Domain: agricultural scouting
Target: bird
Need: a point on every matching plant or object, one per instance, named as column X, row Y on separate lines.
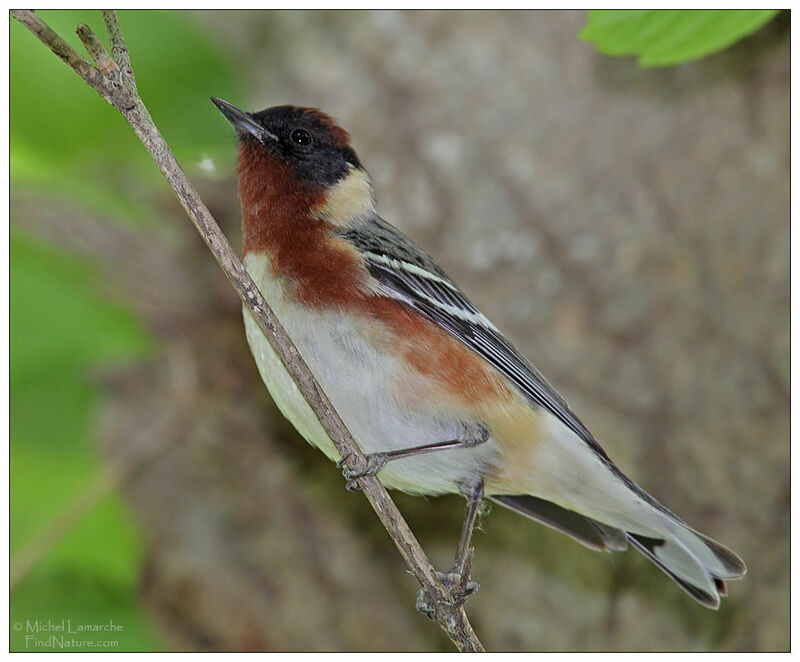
column 437, row 398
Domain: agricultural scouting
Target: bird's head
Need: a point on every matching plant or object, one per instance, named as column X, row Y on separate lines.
column 301, row 154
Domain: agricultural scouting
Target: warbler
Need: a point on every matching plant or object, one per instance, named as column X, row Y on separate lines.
column 433, row 393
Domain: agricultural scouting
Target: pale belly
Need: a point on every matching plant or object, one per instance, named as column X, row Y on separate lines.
column 363, row 382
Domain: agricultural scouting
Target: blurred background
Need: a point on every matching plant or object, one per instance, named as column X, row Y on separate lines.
column 628, row 228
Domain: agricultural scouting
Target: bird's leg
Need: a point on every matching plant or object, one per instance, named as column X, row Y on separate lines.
column 457, row 579
column 473, row 436
column 473, row 492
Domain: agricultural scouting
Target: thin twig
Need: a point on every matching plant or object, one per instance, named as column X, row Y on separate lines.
column 96, row 49
column 118, row 87
column 60, row 47
column 118, row 47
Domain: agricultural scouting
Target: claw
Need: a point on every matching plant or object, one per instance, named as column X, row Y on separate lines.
column 422, row 605
column 460, row 588
column 375, row 462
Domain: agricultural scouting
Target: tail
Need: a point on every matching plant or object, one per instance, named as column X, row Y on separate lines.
column 696, row 563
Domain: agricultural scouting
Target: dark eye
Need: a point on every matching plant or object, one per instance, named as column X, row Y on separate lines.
column 301, row 137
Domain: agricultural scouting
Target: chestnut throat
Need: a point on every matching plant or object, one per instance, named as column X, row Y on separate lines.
column 279, row 221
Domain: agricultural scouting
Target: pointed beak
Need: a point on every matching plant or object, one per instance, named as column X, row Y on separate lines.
column 243, row 122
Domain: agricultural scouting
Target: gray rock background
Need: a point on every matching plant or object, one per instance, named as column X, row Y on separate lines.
column 627, row 228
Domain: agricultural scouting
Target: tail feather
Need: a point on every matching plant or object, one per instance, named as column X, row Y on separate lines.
column 696, row 563
column 723, row 564
column 696, row 582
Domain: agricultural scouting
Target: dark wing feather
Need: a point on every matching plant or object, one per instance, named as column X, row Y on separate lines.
column 409, row 274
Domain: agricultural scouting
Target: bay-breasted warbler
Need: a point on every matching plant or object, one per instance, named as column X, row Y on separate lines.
column 433, row 393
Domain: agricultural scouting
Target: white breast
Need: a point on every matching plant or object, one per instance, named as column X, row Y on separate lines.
column 361, row 380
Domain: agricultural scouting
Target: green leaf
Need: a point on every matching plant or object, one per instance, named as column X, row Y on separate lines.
column 662, row 37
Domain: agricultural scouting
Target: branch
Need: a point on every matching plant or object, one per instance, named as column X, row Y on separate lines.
column 115, row 82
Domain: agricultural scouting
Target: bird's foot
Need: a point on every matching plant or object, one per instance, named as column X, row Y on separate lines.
column 375, row 462
column 458, row 585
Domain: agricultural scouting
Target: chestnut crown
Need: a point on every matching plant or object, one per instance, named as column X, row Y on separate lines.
column 317, row 149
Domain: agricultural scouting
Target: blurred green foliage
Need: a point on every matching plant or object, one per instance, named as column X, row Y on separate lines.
column 59, row 327
column 66, row 139
column 67, row 144
column 662, row 37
